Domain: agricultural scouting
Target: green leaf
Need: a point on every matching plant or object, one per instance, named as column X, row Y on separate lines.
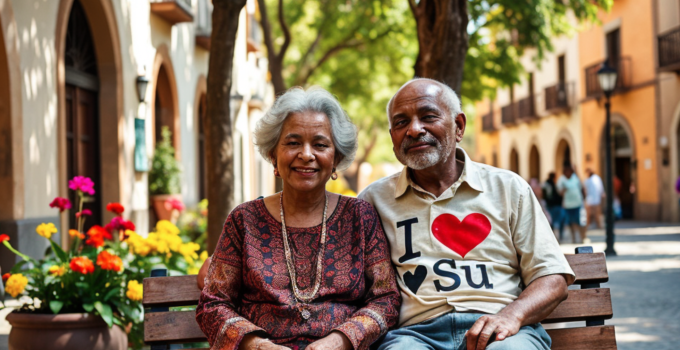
column 56, row 305
column 111, row 293
column 18, row 266
column 60, row 253
column 88, row 307
column 105, row 312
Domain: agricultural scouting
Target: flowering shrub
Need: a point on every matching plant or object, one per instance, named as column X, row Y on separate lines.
column 102, row 270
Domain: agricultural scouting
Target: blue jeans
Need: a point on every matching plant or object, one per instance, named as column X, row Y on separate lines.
column 557, row 215
column 447, row 332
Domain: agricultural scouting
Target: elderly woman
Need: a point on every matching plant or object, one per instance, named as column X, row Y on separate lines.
column 303, row 268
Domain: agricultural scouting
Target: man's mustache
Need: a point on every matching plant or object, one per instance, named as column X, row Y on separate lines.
column 428, row 139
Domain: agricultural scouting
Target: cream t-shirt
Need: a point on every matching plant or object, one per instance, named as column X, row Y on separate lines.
column 473, row 248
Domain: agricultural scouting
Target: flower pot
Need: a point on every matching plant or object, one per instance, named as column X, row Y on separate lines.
column 66, row 331
column 163, row 212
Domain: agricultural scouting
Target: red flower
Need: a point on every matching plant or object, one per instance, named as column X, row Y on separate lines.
column 61, row 203
column 96, row 235
column 108, row 261
column 115, row 208
column 174, row 204
column 82, row 264
column 4, row 237
column 5, row 277
column 87, row 212
column 118, row 224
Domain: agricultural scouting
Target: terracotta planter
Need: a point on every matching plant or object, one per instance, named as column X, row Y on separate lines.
column 67, row 331
column 162, row 211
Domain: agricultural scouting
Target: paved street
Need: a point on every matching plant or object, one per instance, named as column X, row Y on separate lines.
column 644, row 278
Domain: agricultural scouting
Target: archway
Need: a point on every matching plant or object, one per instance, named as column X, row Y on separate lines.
column 165, row 104
column 91, row 24
column 623, row 166
column 514, row 161
column 534, row 163
column 563, row 156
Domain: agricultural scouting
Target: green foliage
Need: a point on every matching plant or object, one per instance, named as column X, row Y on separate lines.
column 164, row 177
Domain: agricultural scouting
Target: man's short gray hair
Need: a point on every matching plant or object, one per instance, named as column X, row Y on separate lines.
column 315, row 99
column 448, row 96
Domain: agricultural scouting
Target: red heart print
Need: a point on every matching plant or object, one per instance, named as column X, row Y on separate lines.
column 461, row 237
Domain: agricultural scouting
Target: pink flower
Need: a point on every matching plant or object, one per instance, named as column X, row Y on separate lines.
column 87, row 212
column 118, row 223
column 61, row 203
column 82, row 183
column 174, row 204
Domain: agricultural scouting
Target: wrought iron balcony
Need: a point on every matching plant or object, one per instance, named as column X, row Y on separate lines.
column 527, row 108
column 509, row 114
column 203, row 23
column 558, row 97
column 623, row 81
column 487, row 122
column 669, row 51
column 173, row 11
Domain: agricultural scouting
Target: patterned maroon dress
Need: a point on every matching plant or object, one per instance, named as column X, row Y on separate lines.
column 248, row 287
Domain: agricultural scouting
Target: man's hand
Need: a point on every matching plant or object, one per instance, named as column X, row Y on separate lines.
column 333, row 341
column 482, row 331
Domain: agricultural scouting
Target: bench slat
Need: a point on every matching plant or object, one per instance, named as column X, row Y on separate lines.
column 171, row 291
column 582, row 305
column 589, row 268
column 172, row 327
column 586, row 338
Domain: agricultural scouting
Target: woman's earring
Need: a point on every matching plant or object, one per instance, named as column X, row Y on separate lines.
column 334, row 175
column 276, row 171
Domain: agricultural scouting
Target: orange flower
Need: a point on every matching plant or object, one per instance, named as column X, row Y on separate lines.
column 108, row 261
column 75, row 233
column 97, row 235
column 5, row 277
column 82, row 264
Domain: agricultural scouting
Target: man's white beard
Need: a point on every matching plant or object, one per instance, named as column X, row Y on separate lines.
column 420, row 160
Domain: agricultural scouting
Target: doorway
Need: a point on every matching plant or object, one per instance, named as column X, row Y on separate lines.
column 623, row 168
column 514, row 161
column 562, row 157
column 534, row 163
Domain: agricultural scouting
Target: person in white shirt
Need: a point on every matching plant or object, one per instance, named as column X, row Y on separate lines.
column 569, row 186
column 594, row 194
column 475, row 255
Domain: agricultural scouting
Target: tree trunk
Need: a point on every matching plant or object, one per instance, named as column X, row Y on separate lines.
column 442, row 40
column 220, row 153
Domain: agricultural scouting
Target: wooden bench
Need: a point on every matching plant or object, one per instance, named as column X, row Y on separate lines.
column 590, row 303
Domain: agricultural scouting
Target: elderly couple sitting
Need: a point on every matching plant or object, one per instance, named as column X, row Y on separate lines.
column 446, row 254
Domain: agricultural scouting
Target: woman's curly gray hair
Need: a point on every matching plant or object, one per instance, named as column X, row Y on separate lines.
column 315, row 99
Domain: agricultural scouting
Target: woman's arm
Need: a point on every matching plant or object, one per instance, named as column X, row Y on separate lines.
column 382, row 299
column 216, row 313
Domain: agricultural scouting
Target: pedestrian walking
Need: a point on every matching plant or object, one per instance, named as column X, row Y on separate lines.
column 553, row 202
column 594, row 194
column 569, row 186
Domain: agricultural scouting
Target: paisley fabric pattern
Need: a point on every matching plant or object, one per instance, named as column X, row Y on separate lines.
column 248, row 288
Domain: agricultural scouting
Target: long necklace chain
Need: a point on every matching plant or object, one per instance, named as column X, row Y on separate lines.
column 290, row 260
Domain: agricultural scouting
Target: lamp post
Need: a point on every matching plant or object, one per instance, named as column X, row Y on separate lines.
column 607, row 77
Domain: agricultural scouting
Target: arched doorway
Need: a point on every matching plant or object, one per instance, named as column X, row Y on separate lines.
column 165, row 105
column 562, row 156
column 622, row 163
column 514, row 161
column 82, row 110
column 534, row 163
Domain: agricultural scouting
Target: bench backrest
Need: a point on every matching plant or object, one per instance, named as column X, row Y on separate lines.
column 590, row 303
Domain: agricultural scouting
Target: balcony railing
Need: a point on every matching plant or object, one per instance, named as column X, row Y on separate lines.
column 669, row 51
column 623, row 81
column 527, row 108
column 487, row 122
column 509, row 114
column 558, row 97
column 173, row 11
column 203, row 23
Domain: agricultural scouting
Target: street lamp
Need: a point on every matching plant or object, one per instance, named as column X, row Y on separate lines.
column 607, row 77
column 142, row 82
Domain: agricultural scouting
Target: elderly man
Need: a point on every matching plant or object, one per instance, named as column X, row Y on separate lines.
column 476, row 258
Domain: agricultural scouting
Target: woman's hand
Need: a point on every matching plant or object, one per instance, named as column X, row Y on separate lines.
column 251, row 342
column 334, row 341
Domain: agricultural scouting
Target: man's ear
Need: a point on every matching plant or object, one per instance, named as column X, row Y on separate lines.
column 461, row 121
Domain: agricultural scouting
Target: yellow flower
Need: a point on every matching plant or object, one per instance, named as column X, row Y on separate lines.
column 46, row 230
column 188, row 250
column 16, row 284
column 138, row 245
column 165, row 226
column 134, row 291
column 204, row 256
column 57, row 270
column 193, row 270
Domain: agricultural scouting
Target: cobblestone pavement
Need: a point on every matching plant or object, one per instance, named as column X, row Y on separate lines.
column 644, row 279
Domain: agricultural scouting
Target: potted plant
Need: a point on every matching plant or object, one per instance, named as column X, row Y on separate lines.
column 89, row 295
column 164, row 178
